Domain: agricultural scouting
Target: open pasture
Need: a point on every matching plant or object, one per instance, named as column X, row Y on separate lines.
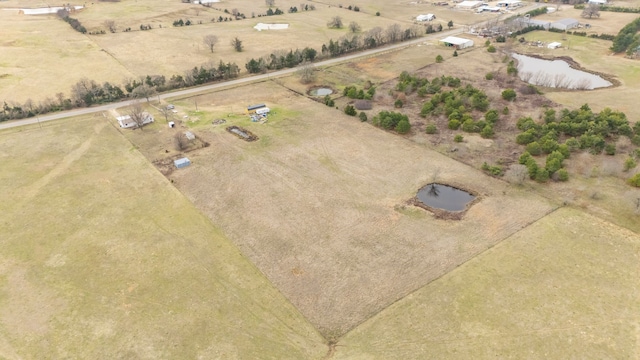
column 319, row 204
column 103, row 258
column 564, row 287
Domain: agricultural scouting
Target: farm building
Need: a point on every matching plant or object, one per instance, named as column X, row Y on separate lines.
column 427, row 17
column 469, row 5
column 545, row 24
column 252, row 109
column 458, row 43
column 598, row 2
column 565, row 24
column 493, row 9
column 509, row 3
column 263, row 111
column 554, row 45
column 189, row 135
column 180, row 163
column 125, row 121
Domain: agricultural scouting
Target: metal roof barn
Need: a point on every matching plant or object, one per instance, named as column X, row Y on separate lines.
column 180, row 163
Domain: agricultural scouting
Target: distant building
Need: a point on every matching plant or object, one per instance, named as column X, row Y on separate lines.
column 565, row 24
column 180, row 163
column 598, row 2
column 469, row 5
column 554, row 45
column 509, row 3
column 458, row 43
column 427, row 17
column 125, row 121
column 251, row 109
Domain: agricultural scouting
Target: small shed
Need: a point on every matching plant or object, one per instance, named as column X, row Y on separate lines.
column 458, row 43
column 263, row 111
column 427, row 17
column 565, row 24
column 172, row 124
column 598, row 2
column 180, row 163
column 554, row 45
column 189, row 135
column 469, row 5
column 252, row 108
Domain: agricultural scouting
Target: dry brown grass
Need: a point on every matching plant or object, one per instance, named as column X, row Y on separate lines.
column 318, row 203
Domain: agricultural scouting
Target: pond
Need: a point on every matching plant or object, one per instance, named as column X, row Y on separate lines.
column 444, row 197
column 322, row 91
column 556, row 74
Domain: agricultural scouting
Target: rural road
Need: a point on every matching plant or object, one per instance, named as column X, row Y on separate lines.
column 240, row 81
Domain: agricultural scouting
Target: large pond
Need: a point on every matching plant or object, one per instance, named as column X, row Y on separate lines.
column 444, row 197
column 323, row 91
column 556, row 74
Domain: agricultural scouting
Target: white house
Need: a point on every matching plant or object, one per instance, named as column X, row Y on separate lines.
column 458, row 43
column 469, row 5
column 565, row 24
column 125, row 121
column 427, row 17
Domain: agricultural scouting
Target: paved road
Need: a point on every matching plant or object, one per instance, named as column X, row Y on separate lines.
column 240, row 81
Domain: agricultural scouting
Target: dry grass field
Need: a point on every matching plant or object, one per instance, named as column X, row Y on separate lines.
column 563, row 288
column 103, row 258
column 318, row 203
column 302, row 244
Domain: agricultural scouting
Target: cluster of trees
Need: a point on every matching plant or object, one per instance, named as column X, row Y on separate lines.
column 628, row 38
column 539, row 11
column 612, row 8
column 390, row 120
column 353, row 92
column 408, row 84
column 370, row 39
column 553, row 169
column 432, row 29
column 280, row 59
column 75, row 23
column 582, row 129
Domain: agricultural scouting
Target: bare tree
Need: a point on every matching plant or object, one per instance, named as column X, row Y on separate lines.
column 270, row 3
column 394, row 33
column 137, row 114
column 591, row 10
column 237, row 44
column 335, row 22
column 180, row 141
column 377, row 35
column 110, row 25
column 210, row 41
column 354, row 27
column 306, row 73
column 516, row 174
column 143, row 91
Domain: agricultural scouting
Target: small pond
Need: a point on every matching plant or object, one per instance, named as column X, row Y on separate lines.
column 321, row 91
column 556, row 74
column 444, row 197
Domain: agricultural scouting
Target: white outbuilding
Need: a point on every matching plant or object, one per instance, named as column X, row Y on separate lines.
column 427, row 17
column 469, row 5
column 554, row 45
column 456, row 42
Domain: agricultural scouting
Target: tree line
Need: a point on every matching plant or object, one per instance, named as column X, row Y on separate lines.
column 628, row 38
column 88, row 92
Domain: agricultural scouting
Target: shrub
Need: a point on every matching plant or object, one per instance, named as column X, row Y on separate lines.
column 458, row 138
column 534, row 148
column 562, row 175
column 398, row 103
column 487, row 43
column 635, row 180
column 532, row 167
column 542, row 175
column 505, row 111
column 362, row 116
column 432, row 129
column 610, row 149
column 489, row 76
column 491, row 49
column 501, row 39
column 454, row 124
column 455, row 53
column 403, row 126
column 487, row 132
column 350, row 110
column 439, row 59
column 377, row 13
column 509, row 94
